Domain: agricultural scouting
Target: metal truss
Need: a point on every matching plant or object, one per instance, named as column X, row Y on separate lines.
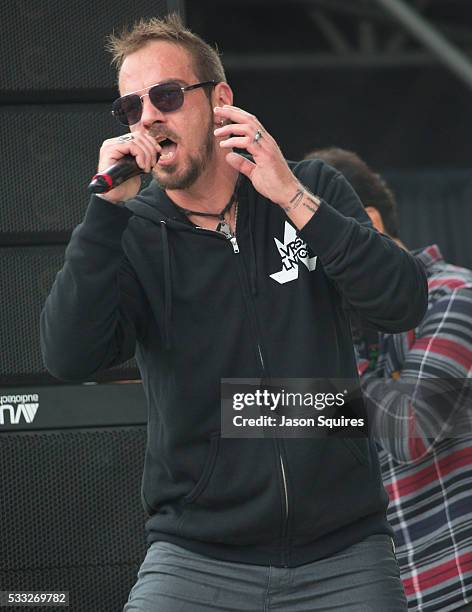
column 373, row 33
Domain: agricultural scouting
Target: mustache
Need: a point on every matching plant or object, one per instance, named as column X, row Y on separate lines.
column 158, row 132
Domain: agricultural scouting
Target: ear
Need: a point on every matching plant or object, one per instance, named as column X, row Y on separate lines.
column 376, row 218
column 222, row 94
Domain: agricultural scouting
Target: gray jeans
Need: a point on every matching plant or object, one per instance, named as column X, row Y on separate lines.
column 362, row 578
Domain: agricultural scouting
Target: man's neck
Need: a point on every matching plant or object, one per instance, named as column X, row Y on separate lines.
column 210, row 192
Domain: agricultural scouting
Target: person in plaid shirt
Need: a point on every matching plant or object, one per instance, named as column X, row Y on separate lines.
column 417, row 387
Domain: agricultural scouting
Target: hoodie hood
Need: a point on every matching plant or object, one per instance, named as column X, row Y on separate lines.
column 154, row 204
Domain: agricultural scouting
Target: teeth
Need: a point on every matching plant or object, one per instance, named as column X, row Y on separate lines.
column 167, row 155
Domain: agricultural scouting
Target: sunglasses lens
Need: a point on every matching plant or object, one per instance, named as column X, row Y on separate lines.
column 127, row 110
column 167, row 97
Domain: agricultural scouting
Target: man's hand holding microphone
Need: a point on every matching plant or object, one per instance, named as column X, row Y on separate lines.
column 120, row 163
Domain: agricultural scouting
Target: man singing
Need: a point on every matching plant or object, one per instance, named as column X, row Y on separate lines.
column 230, row 266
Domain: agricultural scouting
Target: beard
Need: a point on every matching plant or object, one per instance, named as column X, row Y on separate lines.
column 167, row 177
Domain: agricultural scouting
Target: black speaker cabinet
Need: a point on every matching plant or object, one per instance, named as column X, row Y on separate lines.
column 57, row 47
column 70, row 492
column 52, row 154
column 27, row 275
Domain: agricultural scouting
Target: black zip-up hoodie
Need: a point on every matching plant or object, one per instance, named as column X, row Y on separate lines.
column 198, row 308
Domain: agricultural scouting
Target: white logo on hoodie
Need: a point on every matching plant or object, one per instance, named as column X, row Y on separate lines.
column 293, row 252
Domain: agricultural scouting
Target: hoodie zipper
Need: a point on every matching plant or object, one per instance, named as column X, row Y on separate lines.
column 284, row 480
column 285, row 502
column 281, row 461
column 234, row 244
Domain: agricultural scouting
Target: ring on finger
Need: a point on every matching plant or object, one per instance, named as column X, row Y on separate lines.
column 125, row 137
column 257, row 136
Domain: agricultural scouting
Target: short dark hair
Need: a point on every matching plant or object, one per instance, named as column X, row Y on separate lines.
column 369, row 186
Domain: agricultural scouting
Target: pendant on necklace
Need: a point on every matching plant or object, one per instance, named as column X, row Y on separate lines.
column 225, row 229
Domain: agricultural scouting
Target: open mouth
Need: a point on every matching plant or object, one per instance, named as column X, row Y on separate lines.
column 169, row 148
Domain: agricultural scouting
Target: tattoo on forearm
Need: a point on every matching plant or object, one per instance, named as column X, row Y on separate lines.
column 311, row 204
column 305, row 198
column 297, row 199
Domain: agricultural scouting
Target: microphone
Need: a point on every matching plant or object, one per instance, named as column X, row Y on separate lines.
column 113, row 176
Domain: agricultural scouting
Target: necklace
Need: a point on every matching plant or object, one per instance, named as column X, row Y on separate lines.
column 223, row 226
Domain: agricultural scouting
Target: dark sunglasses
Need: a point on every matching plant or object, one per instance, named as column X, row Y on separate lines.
column 166, row 97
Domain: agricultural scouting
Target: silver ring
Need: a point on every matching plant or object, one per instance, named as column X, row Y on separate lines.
column 257, row 136
column 125, row 137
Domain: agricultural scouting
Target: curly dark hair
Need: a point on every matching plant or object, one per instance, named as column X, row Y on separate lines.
column 369, row 186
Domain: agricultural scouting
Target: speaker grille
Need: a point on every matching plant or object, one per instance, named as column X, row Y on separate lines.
column 27, row 275
column 71, row 513
column 46, row 173
column 57, row 45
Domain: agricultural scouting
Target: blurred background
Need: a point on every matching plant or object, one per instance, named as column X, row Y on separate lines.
column 388, row 79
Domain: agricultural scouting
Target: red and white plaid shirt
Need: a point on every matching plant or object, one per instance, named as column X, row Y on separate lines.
column 425, row 438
